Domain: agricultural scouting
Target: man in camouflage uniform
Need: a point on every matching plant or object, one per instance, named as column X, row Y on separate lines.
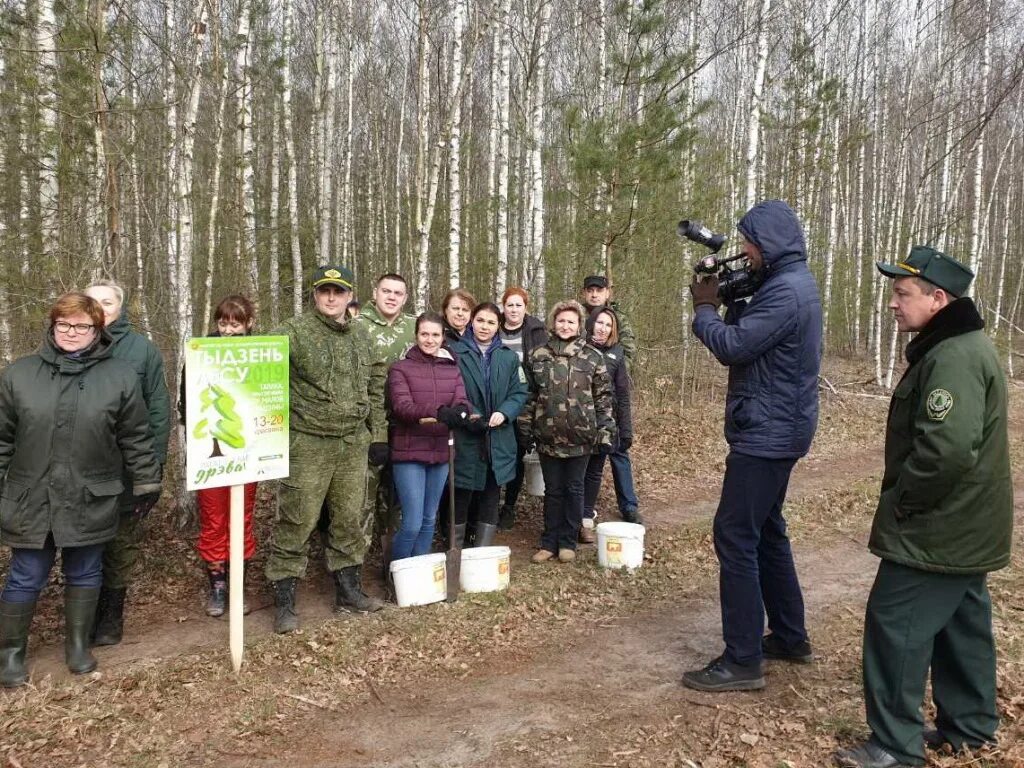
column 391, row 333
column 597, row 293
column 336, row 404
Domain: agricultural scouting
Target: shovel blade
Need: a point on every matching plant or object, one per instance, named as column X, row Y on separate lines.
column 453, row 569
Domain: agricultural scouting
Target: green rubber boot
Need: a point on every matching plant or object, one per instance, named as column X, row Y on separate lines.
column 79, row 612
column 15, row 619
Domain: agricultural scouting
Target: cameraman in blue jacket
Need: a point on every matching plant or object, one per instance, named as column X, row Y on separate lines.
column 772, row 346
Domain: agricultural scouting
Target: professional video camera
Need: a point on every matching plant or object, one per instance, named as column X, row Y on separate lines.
column 734, row 282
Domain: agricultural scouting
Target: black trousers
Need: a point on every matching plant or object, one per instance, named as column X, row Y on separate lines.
column 515, row 485
column 918, row 620
column 483, row 504
column 563, row 500
column 756, row 570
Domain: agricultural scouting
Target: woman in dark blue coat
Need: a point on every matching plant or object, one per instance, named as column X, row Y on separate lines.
column 486, row 457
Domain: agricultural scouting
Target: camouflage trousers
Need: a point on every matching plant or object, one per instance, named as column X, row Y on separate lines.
column 323, row 470
column 382, row 501
column 122, row 552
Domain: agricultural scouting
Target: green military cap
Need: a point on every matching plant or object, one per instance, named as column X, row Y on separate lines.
column 931, row 265
column 332, row 275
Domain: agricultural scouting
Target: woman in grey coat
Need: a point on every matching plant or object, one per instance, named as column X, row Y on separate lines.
column 73, row 423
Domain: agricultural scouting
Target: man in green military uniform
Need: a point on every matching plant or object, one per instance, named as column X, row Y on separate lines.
column 391, row 333
column 944, row 521
column 336, row 403
column 121, row 554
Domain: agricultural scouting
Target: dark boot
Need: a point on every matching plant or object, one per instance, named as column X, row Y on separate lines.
column 349, row 595
column 485, row 534
column 216, row 603
column 15, row 619
column 79, row 611
column 285, row 618
column 109, row 622
column 506, row 518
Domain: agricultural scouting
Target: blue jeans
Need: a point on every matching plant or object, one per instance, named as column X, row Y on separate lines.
column 419, row 488
column 622, row 476
column 30, row 569
column 757, row 574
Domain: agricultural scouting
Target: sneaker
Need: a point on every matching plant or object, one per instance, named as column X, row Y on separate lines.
column 566, row 555
column 800, row 653
column 866, row 755
column 721, row 675
column 542, row 555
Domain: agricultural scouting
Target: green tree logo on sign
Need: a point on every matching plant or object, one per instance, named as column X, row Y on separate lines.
column 224, row 426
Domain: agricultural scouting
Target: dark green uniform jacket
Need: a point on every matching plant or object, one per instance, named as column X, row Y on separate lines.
column 570, row 409
column 135, row 349
column 508, row 395
column 947, row 500
column 334, row 390
column 70, row 430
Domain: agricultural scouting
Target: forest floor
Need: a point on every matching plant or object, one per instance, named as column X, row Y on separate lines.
column 571, row 666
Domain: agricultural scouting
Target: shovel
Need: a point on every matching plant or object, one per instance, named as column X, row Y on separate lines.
column 453, row 557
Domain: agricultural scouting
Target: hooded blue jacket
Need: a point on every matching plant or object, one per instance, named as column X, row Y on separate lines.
column 773, row 345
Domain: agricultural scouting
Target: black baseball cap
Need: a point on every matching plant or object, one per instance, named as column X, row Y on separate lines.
column 595, row 281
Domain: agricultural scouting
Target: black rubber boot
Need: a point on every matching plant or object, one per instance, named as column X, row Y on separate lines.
column 285, row 618
column 79, row 611
column 484, row 534
column 349, row 595
column 217, row 600
column 108, row 626
column 506, row 518
column 15, row 619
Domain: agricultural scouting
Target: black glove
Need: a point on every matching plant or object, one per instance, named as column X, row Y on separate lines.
column 378, row 454
column 526, row 443
column 476, row 426
column 606, row 448
column 625, row 443
column 704, row 290
column 144, row 504
column 453, row 416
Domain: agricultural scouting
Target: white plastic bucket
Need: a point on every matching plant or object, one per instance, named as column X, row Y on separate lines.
column 420, row 580
column 620, row 545
column 484, row 569
column 534, row 481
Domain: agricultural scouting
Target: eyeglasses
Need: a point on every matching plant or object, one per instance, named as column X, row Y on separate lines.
column 63, row 327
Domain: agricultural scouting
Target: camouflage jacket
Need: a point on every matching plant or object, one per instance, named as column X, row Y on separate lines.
column 389, row 342
column 570, row 409
column 334, row 388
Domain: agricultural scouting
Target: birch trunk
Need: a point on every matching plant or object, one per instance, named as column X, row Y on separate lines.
column 327, row 133
column 455, row 149
column 833, row 233
column 504, row 141
column 185, row 204
column 142, row 301
column 218, row 162
column 49, row 193
column 347, row 205
column 537, row 276
column 247, row 236
column 170, row 99
column 273, row 262
column 287, row 46
column 977, row 221
column 757, row 89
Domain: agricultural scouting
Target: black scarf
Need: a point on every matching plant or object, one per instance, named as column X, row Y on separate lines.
column 956, row 318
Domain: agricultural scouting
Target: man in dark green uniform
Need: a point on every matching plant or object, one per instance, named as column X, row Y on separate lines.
column 944, row 521
column 391, row 333
column 336, row 409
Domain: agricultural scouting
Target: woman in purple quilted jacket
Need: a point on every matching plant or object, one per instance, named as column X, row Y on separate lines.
column 425, row 384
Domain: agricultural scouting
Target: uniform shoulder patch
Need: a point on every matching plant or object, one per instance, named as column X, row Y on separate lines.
column 939, row 404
